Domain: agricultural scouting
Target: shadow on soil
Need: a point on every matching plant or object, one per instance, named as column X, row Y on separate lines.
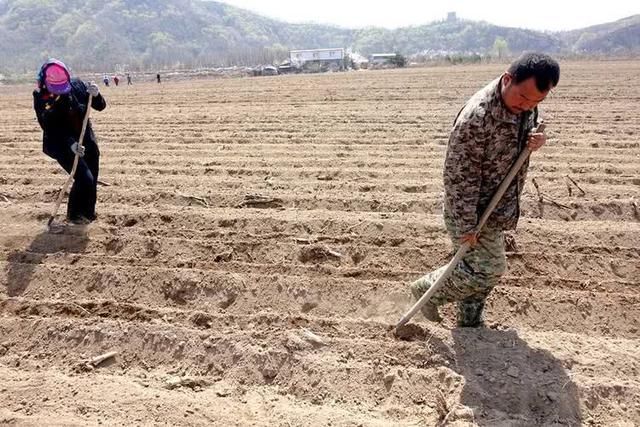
column 21, row 264
column 509, row 383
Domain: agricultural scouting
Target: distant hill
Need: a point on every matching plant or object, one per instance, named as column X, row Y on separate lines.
column 98, row 34
column 619, row 37
column 457, row 35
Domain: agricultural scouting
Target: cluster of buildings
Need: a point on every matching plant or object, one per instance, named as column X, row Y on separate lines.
column 328, row 59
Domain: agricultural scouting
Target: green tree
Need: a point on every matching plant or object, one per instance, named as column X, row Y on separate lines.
column 500, row 48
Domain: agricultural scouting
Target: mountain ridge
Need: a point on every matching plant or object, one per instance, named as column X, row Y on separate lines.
column 144, row 34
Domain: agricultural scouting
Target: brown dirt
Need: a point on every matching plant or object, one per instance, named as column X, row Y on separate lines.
column 254, row 247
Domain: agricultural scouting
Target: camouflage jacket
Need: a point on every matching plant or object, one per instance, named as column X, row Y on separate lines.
column 485, row 141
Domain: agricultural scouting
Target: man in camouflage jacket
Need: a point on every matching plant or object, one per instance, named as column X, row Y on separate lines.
column 488, row 135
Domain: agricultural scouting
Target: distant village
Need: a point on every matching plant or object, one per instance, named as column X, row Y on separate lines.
column 299, row 61
column 329, row 60
column 340, row 59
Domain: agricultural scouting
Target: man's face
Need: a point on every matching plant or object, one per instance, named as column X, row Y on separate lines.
column 520, row 97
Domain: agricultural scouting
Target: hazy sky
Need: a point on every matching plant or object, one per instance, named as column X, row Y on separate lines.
column 536, row 14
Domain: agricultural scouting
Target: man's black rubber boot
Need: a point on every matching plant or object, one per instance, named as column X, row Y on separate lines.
column 470, row 314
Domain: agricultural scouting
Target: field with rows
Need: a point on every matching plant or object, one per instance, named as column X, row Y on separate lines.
column 256, row 238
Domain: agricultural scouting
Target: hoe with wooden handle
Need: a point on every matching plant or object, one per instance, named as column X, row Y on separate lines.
column 524, row 155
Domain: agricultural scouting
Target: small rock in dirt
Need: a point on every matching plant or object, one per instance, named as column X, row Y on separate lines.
column 552, row 396
column 295, row 343
column 314, row 339
column 223, row 392
column 308, row 306
column 513, row 372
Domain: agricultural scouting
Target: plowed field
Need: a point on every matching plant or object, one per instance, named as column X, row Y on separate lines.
column 244, row 217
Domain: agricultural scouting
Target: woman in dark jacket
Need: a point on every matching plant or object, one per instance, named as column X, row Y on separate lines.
column 60, row 103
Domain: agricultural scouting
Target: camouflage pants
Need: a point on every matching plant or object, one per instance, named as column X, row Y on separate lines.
column 473, row 278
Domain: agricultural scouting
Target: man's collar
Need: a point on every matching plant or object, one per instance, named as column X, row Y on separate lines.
column 498, row 108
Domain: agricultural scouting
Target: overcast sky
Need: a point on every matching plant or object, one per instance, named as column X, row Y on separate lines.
column 537, row 14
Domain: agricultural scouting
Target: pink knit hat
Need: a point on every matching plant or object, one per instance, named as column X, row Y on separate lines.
column 57, row 78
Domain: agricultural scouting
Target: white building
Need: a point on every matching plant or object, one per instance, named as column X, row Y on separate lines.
column 321, row 57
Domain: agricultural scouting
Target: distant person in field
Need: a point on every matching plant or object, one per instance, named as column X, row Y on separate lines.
column 60, row 103
column 158, row 77
column 129, row 79
column 116, row 80
column 487, row 137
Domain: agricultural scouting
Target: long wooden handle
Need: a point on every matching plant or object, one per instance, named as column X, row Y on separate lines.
column 464, row 248
column 75, row 165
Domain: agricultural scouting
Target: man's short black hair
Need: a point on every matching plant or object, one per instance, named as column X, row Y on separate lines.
column 544, row 68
